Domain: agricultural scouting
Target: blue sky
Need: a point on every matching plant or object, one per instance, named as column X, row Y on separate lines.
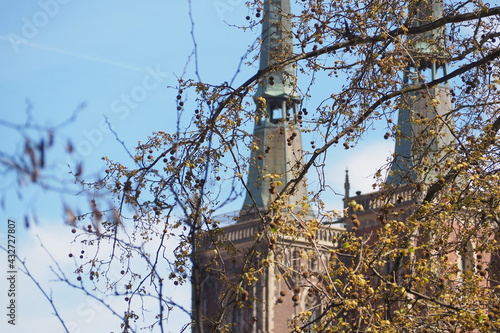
column 59, row 54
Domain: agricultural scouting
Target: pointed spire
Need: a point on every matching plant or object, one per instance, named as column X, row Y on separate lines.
column 347, row 185
column 417, row 143
column 276, row 44
column 277, row 153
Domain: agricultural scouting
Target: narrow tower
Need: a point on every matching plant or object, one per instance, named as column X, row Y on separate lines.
column 273, row 299
column 277, row 155
column 347, row 186
column 424, row 120
column 423, row 129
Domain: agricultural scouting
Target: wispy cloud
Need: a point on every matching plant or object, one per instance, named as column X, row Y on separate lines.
column 76, row 55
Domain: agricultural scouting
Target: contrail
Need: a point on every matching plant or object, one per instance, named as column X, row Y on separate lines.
column 76, row 55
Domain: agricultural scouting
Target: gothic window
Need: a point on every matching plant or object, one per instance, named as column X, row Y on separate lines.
column 466, row 260
column 296, row 261
column 210, row 292
column 313, row 305
column 314, row 264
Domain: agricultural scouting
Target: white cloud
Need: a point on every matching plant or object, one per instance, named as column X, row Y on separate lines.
column 363, row 161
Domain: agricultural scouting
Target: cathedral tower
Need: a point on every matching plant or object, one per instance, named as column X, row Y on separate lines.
column 269, row 303
column 424, row 119
column 424, row 125
column 278, row 145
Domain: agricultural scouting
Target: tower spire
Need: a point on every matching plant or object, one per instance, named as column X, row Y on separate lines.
column 426, row 112
column 277, row 153
column 276, row 44
column 347, row 185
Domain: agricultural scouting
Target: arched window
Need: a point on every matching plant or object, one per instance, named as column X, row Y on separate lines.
column 313, row 305
column 275, row 111
column 296, row 260
column 313, row 264
column 466, row 260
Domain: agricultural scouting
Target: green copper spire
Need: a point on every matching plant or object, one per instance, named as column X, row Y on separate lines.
column 277, row 154
column 426, row 112
column 276, row 44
